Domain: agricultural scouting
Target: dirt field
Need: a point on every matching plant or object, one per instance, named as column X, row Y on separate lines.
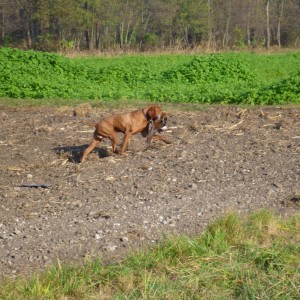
column 221, row 159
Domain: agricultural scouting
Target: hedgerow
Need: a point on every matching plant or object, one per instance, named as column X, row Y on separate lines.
column 211, row 68
column 285, row 91
column 215, row 78
column 31, row 74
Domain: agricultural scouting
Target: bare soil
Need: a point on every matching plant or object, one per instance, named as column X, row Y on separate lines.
column 222, row 159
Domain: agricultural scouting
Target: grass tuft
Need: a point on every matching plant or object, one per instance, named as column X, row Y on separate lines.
column 254, row 257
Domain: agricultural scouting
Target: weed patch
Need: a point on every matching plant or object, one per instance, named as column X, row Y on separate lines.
column 229, row 260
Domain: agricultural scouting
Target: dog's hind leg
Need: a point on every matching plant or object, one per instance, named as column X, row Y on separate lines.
column 95, row 143
column 113, row 139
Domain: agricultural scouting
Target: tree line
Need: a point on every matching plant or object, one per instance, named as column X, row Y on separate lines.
column 64, row 25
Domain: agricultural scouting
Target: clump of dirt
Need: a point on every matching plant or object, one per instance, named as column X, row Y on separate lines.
column 221, row 159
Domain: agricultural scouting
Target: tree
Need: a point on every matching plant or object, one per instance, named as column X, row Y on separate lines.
column 7, row 17
column 189, row 22
column 56, row 25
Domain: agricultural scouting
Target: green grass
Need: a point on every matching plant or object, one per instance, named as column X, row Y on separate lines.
column 254, row 257
column 239, row 78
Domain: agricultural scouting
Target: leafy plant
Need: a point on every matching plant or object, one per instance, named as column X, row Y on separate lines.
column 212, row 68
column 285, row 91
column 216, row 78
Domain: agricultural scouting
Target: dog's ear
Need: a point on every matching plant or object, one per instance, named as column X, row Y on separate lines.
column 154, row 112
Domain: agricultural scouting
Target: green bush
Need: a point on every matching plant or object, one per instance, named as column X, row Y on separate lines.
column 216, row 78
column 212, row 68
column 285, row 91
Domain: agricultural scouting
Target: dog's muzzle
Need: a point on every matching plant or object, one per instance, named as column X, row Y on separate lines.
column 162, row 129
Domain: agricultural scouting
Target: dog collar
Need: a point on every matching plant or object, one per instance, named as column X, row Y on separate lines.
column 146, row 115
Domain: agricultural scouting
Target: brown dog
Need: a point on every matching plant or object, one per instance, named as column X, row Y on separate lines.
column 128, row 123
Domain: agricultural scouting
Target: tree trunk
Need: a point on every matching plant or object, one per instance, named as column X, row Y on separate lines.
column 268, row 24
column 29, row 38
column 121, row 34
column 97, row 36
column 210, row 42
column 248, row 30
column 228, row 21
column 28, row 29
column 3, row 23
column 127, row 33
column 226, row 34
column 87, row 39
column 280, row 14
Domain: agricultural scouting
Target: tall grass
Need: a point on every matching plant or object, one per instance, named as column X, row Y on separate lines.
column 257, row 257
column 212, row 78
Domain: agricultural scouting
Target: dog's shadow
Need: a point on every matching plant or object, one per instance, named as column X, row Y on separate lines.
column 74, row 153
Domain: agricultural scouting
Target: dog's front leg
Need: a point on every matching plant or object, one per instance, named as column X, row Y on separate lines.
column 127, row 136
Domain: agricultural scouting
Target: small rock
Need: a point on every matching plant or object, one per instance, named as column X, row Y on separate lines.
column 45, row 129
column 182, row 154
column 97, row 236
column 111, row 248
column 94, row 214
column 193, row 186
column 124, row 239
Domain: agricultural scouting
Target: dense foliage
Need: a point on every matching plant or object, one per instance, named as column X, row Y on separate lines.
column 214, row 78
column 147, row 25
column 277, row 93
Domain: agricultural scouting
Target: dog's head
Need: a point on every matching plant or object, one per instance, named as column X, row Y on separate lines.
column 158, row 125
column 154, row 112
